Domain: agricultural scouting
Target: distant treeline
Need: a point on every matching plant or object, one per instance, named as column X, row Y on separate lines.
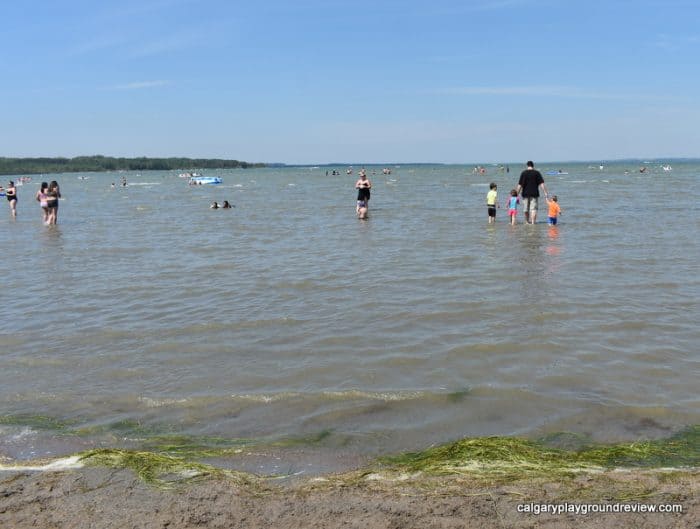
column 81, row 164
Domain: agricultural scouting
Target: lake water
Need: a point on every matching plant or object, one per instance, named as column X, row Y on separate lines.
column 144, row 313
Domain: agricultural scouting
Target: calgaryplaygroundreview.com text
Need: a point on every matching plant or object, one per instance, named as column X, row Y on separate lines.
column 591, row 508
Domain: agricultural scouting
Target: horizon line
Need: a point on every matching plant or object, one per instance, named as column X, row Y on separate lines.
column 649, row 159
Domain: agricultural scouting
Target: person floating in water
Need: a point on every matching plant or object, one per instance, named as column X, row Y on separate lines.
column 226, row 205
column 214, row 205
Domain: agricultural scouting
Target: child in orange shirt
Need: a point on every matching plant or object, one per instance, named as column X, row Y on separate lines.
column 554, row 210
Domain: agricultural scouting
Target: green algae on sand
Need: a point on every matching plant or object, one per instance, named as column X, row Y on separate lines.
column 513, row 458
column 160, row 470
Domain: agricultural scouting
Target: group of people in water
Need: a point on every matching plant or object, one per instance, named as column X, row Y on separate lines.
column 527, row 192
column 528, row 188
column 47, row 196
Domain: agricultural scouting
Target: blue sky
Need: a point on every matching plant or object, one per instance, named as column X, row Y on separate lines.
column 312, row 81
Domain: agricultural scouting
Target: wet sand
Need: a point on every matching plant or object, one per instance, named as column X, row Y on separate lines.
column 97, row 497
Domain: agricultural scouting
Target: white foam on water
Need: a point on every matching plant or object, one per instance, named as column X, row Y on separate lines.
column 267, row 398
column 66, row 463
column 339, row 395
column 157, row 403
column 375, row 395
column 23, row 434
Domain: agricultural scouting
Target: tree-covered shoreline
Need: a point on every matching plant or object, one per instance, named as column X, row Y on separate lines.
column 79, row 164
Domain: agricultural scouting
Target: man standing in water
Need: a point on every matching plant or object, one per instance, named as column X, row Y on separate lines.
column 529, row 184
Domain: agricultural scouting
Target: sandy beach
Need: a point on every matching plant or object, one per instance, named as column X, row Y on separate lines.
column 100, row 497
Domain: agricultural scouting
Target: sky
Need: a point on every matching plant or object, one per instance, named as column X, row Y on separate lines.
column 311, row 81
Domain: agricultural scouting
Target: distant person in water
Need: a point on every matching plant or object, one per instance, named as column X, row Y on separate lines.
column 214, row 205
column 529, row 185
column 363, row 186
column 554, row 211
column 11, row 194
column 226, row 205
column 492, row 202
column 53, row 193
column 42, row 197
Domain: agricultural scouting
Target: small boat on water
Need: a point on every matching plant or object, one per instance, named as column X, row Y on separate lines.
column 188, row 175
column 202, row 180
column 554, row 173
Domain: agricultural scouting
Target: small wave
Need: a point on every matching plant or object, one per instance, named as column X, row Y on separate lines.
column 144, row 184
column 12, row 435
column 352, row 394
column 157, row 403
column 376, row 395
column 265, row 399
column 23, row 434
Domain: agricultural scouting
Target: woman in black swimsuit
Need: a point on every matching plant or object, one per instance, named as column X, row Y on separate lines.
column 363, row 186
column 52, row 196
column 11, row 194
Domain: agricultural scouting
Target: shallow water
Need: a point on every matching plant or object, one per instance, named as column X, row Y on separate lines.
column 145, row 313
